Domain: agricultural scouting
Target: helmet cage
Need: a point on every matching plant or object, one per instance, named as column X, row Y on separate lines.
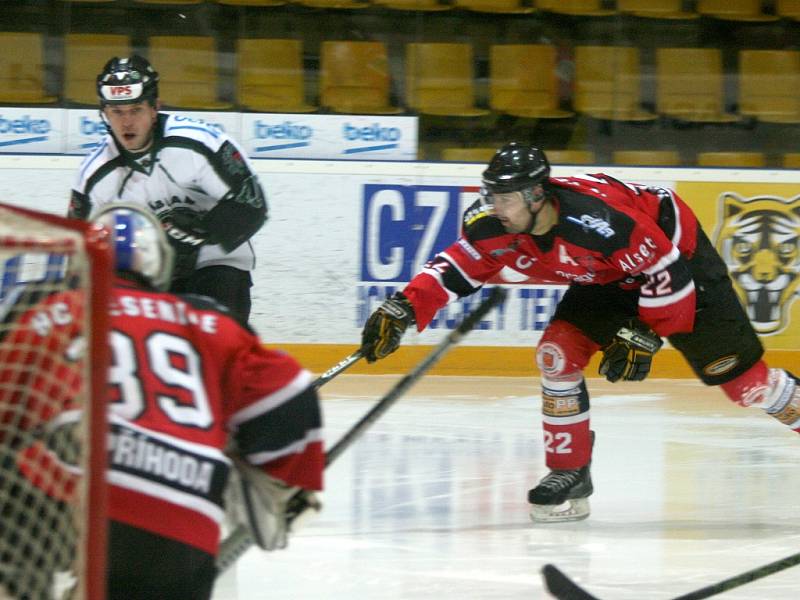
column 140, row 244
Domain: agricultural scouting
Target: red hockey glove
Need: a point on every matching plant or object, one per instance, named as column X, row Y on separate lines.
column 385, row 327
column 630, row 354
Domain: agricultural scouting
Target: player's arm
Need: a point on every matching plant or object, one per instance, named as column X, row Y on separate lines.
column 458, row 271
column 80, row 206
column 242, row 208
column 667, row 293
column 42, row 346
column 277, row 425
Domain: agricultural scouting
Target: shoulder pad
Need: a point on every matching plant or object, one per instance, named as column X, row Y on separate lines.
column 99, row 156
column 479, row 223
column 195, row 129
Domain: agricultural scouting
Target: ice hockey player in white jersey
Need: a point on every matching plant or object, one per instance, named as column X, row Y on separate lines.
column 193, row 177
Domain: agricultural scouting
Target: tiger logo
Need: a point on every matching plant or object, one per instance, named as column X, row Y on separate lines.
column 759, row 240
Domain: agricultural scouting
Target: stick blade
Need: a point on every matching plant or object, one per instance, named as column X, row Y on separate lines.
column 562, row 587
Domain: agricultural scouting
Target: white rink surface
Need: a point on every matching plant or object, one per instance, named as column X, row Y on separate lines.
column 431, row 502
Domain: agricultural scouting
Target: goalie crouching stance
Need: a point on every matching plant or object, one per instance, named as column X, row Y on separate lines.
column 639, row 268
column 187, row 382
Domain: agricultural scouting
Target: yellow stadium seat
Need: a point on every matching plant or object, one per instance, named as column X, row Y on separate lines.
column 731, row 159
column 734, row 10
column 188, row 69
column 414, row 5
column 168, row 1
column 570, row 157
column 608, row 83
column 791, row 160
column 336, row 4
column 523, row 82
column 769, row 81
column 587, row 8
column 509, row 7
column 656, row 9
column 439, row 80
column 252, row 2
column 84, row 57
column 478, row 155
column 689, row 85
column 22, row 71
column 270, row 76
column 646, row 158
column 354, row 78
column 788, row 8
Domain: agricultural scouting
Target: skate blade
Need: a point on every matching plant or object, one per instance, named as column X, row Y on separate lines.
column 576, row 509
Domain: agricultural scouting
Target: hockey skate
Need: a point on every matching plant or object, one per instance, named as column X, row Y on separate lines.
column 562, row 496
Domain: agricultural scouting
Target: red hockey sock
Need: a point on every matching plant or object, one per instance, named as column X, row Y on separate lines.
column 567, row 446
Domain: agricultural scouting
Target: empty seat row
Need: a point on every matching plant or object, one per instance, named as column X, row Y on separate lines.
column 355, row 78
column 740, row 10
column 640, row 158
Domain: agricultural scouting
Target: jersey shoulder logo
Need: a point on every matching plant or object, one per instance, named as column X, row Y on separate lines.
column 480, row 223
column 592, row 223
column 759, row 240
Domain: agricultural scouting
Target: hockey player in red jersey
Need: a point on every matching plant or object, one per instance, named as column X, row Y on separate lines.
column 190, row 391
column 639, row 268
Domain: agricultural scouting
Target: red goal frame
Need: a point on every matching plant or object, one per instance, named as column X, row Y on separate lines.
column 99, row 253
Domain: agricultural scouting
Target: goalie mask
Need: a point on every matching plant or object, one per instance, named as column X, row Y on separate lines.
column 127, row 81
column 140, row 245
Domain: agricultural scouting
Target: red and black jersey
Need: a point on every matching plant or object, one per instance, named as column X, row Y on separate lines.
column 184, row 378
column 607, row 233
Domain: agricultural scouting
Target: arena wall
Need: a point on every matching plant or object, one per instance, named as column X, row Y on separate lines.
column 344, row 234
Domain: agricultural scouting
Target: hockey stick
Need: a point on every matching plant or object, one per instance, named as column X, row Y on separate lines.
column 560, row 586
column 338, row 369
column 240, row 539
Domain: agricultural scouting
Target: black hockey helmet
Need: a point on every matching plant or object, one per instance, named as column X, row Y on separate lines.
column 127, row 80
column 515, row 167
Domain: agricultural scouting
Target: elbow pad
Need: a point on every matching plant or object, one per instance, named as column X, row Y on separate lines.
column 238, row 216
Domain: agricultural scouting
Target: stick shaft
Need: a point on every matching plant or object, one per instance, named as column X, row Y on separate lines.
column 338, row 369
column 563, row 588
column 741, row 579
column 402, row 386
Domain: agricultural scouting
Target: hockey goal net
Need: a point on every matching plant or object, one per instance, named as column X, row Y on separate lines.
column 54, row 278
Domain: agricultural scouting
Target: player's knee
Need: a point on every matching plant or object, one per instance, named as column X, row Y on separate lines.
column 563, row 352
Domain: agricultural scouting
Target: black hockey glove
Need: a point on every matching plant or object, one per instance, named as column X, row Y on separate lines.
column 386, row 326
column 187, row 236
column 630, row 354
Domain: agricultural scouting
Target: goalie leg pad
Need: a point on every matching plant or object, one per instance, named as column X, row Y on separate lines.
column 268, row 507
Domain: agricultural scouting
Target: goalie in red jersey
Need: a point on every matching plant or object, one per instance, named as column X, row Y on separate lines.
column 639, row 268
column 191, row 391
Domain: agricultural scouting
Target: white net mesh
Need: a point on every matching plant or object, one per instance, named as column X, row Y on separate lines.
column 43, row 286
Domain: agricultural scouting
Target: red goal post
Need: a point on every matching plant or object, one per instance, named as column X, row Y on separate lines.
column 52, row 476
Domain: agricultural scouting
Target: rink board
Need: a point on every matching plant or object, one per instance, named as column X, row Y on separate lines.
column 343, row 235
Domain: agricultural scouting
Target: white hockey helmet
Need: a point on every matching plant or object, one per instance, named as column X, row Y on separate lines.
column 140, row 244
